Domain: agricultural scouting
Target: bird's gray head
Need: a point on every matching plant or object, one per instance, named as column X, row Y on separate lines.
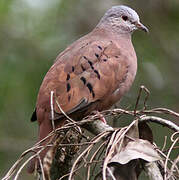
column 122, row 19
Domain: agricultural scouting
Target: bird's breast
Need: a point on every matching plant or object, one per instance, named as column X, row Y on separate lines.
column 126, row 81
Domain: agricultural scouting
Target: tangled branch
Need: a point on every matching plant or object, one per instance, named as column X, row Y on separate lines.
column 109, row 144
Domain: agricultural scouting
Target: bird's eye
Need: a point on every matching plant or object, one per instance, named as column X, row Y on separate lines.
column 125, row 18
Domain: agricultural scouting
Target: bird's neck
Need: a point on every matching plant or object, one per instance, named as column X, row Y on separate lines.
column 111, row 32
column 115, row 28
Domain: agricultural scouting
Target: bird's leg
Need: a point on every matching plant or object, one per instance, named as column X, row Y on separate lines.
column 100, row 116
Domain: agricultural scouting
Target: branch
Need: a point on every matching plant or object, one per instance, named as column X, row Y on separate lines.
column 153, row 171
column 161, row 121
column 151, row 168
column 96, row 127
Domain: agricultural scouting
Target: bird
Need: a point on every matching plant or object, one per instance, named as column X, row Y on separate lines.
column 91, row 74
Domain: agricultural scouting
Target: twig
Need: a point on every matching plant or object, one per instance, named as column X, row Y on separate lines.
column 52, row 109
column 20, row 169
column 153, row 171
column 138, row 98
column 42, row 169
column 92, row 158
column 108, row 156
column 111, row 174
column 174, row 165
column 14, row 167
column 71, row 120
column 161, row 121
column 164, row 144
column 162, row 154
column 66, row 175
column 166, row 161
column 162, row 111
column 96, row 139
column 173, row 135
column 98, row 159
column 97, row 127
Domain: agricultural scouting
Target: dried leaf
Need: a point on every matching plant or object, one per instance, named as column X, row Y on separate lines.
column 145, row 132
column 138, row 149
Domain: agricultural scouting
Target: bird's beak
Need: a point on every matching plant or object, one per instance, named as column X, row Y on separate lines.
column 142, row 27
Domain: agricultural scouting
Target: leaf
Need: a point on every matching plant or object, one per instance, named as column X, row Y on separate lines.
column 137, row 149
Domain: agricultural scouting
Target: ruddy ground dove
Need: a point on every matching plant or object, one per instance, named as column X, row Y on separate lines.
column 91, row 74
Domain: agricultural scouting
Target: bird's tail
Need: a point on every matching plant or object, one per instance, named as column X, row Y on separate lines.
column 45, row 127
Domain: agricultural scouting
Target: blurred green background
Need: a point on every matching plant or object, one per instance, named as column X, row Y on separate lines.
column 33, row 32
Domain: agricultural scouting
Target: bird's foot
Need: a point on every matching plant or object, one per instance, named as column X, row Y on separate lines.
column 101, row 117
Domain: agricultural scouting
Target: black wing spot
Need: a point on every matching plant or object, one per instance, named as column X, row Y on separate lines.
column 73, row 68
column 104, row 60
column 98, row 75
column 85, row 57
column 116, row 56
column 83, row 79
column 83, row 69
column 69, row 97
column 100, row 47
column 97, row 55
column 90, row 87
column 91, row 64
column 68, row 77
column 68, row 87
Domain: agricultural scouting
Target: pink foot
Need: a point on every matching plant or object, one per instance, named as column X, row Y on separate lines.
column 101, row 117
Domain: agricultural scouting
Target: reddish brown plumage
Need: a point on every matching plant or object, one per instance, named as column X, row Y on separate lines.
column 91, row 74
column 92, row 69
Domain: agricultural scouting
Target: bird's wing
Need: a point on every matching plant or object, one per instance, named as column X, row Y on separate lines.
column 84, row 75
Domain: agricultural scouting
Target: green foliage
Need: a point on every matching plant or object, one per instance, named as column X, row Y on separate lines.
column 32, row 33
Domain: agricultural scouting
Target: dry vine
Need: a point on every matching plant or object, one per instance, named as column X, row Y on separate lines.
column 109, row 143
